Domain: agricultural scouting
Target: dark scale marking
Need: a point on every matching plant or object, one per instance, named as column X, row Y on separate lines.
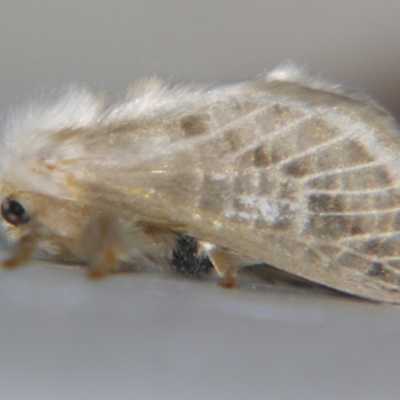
column 362, row 224
column 261, row 157
column 321, row 202
column 383, row 176
column 380, row 272
column 390, row 247
column 194, row 125
column 338, row 226
column 271, row 119
column 300, row 167
column 328, row 182
column 372, row 247
column 377, row 269
column 379, row 247
column 283, row 223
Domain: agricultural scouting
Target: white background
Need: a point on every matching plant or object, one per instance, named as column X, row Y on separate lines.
column 143, row 337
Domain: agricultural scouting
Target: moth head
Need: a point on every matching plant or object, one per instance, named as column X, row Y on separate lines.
column 66, row 230
column 53, row 225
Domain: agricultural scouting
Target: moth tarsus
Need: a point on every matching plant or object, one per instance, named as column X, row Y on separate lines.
column 283, row 169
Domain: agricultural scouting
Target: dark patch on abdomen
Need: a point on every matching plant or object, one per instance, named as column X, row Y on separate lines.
column 185, row 260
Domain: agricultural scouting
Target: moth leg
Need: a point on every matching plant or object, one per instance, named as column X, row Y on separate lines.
column 111, row 246
column 100, row 241
column 22, row 252
column 226, row 263
column 105, row 266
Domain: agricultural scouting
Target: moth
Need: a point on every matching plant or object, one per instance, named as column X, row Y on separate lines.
column 284, row 169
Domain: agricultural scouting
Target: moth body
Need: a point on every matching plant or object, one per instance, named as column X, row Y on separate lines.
column 283, row 169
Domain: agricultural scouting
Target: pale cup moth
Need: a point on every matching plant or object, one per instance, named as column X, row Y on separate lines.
column 283, row 169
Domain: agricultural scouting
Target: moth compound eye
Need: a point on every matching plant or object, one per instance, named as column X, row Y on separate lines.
column 13, row 212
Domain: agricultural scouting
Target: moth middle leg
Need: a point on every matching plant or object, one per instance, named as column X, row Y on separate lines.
column 226, row 263
column 112, row 245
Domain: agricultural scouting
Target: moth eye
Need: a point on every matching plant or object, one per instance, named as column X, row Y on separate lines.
column 13, row 212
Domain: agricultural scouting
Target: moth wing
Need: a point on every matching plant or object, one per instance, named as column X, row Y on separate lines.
column 300, row 175
column 297, row 177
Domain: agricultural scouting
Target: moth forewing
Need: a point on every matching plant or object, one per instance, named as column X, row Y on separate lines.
column 284, row 169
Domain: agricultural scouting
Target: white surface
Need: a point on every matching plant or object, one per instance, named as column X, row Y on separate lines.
column 141, row 337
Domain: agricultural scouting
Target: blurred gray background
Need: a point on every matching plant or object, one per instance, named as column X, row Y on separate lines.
column 109, row 43
column 63, row 337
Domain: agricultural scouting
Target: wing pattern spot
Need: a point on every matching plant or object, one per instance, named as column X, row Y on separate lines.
column 195, row 125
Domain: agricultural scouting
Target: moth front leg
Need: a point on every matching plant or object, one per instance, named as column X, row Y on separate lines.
column 22, row 251
column 113, row 243
column 227, row 263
